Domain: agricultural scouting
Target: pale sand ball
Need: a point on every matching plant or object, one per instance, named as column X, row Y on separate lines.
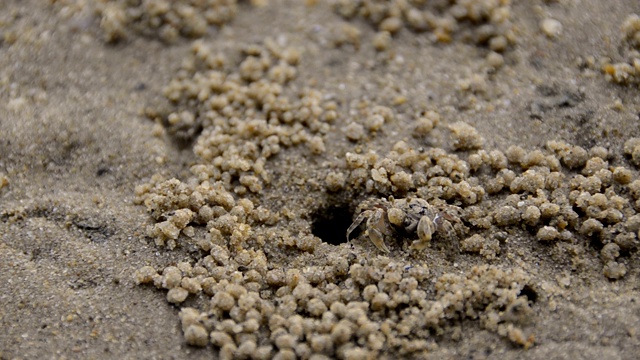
column 379, row 301
column 576, row 157
column 633, row 223
column 465, row 136
column 356, row 353
column 196, row 335
column 171, row 277
column 515, row 154
column 374, row 122
column 547, row 233
column 402, row 180
column 506, row 215
column 626, row 241
column 552, row 28
column 382, row 40
column 591, row 226
column 347, row 34
column 247, row 349
column 614, row 270
column 622, row 175
column 391, row 24
column 220, row 338
column 316, row 145
column 223, row 300
column 316, row 307
column 610, row 252
column 426, row 123
column 472, row 244
column 599, row 151
column 593, row 165
column 177, row 295
column 498, row 43
column 114, row 22
column 495, row 60
column 354, row 131
column 192, row 285
column 632, row 149
column 634, row 187
column 631, row 30
column 335, row 181
column 531, row 215
column 145, row 275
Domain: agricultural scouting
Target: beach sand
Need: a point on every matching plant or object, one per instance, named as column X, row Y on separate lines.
column 281, row 121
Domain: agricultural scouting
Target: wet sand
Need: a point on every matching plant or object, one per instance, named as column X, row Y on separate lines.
column 84, row 123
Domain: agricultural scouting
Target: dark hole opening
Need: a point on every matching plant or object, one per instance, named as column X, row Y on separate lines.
column 101, row 171
column 595, row 242
column 331, row 223
column 530, row 293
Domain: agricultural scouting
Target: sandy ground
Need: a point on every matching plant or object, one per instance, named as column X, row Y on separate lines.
column 74, row 144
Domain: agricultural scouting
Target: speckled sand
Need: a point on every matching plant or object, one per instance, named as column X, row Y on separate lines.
column 177, row 184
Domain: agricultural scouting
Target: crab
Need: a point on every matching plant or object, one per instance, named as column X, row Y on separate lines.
column 411, row 215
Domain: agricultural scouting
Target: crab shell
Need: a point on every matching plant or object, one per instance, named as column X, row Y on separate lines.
column 414, row 222
column 414, row 216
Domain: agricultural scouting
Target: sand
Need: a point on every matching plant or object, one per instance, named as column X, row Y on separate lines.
column 76, row 139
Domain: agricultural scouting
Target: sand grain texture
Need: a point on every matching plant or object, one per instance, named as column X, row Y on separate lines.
column 529, row 133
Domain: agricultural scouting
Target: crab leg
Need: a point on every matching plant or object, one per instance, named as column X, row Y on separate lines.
column 375, row 227
column 356, row 223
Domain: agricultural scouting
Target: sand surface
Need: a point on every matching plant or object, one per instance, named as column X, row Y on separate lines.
column 75, row 142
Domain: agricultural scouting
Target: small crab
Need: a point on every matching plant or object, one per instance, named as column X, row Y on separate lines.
column 411, row 215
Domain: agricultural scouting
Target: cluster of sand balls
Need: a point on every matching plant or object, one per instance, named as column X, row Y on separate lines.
column 177, row 207
column 241, row 113
column 246, row 111
column 255, row 308
column 627, row 72
column 489, row 19
column 253, row 300
column 164, row 19
column 432, row 174
column 344, row 311
column 596, row 201
column 360, row 308
column 561, row 193
column 593, row 200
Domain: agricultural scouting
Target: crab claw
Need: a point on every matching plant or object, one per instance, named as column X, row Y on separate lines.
column 425, row 231
column 377, row 239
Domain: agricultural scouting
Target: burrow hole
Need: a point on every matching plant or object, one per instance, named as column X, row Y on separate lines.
column 331, row 223
column 530, row 293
